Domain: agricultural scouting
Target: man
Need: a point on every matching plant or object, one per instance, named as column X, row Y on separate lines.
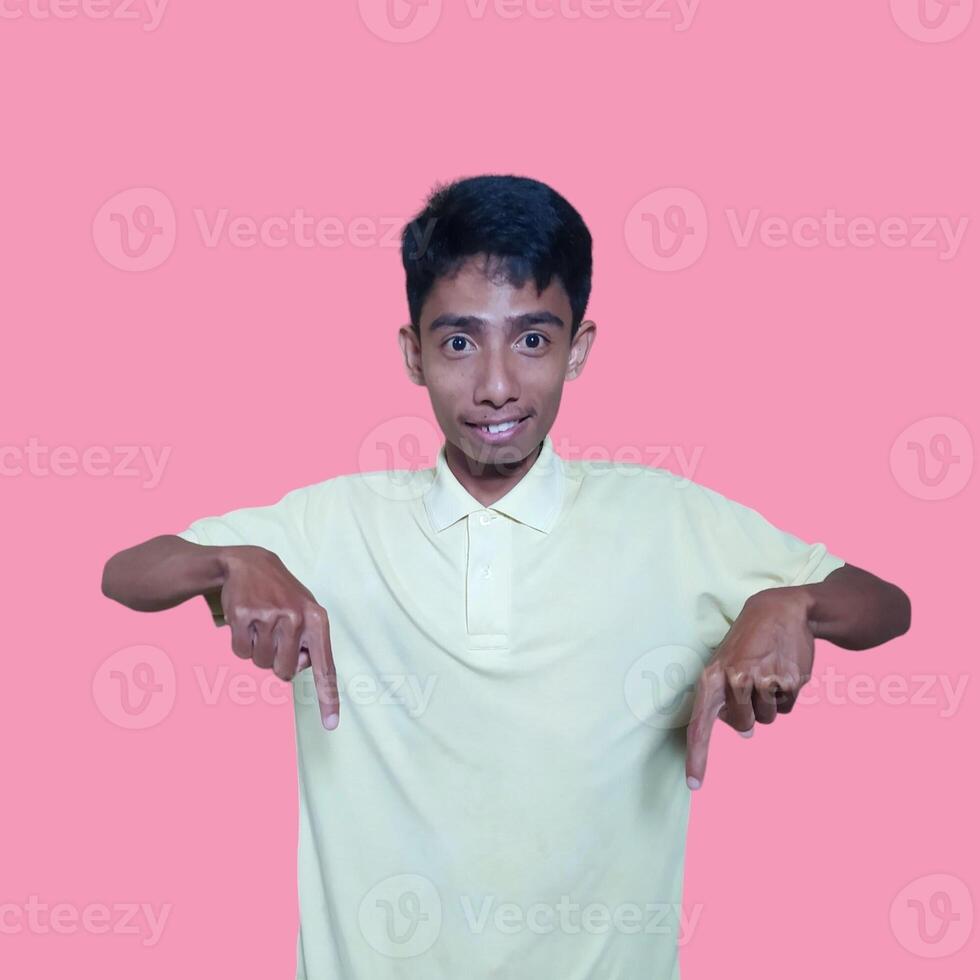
column 516, row 658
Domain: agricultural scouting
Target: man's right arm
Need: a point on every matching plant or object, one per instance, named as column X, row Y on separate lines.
column 275, row 620
column 166, row 571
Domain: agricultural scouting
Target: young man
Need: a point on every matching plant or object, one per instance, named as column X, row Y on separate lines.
column 516, row 658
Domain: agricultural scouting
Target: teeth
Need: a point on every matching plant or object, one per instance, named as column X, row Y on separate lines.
column 503, row 427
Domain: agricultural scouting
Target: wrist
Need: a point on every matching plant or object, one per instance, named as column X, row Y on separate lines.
column 794, row 600
column 226, row 559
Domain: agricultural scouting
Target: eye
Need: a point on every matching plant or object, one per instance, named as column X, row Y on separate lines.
column 538, row 337
column 455, row 348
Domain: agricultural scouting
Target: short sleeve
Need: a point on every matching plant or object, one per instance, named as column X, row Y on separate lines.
column 739, row 552
column 282, row 528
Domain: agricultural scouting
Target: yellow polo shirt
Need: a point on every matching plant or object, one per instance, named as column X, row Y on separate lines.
column 505, row 796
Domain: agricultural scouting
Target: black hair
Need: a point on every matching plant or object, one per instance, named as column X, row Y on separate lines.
column 525, row 227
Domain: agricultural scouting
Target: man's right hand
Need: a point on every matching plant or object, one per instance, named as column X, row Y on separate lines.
column 276, row 622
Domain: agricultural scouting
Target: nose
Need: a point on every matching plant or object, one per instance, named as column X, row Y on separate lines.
column 497, row 382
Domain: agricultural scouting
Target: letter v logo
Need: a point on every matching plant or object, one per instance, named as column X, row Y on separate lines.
column 668, row 229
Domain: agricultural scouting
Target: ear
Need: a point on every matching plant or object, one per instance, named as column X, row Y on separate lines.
column 579, row 351
column 412, row 354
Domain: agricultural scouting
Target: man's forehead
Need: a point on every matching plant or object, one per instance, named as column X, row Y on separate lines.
column 491, row 287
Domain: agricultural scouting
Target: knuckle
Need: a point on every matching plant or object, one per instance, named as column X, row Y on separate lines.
column 316, row 615
column 292, row 617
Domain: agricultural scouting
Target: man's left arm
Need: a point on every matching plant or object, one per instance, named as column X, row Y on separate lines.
column 854, row 609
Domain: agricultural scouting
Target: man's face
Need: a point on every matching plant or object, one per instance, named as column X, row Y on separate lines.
column 489, row 352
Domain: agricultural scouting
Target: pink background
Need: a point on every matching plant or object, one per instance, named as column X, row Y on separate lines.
column 790, row 374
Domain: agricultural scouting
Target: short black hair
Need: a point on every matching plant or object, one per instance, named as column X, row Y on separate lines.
column 523, row 225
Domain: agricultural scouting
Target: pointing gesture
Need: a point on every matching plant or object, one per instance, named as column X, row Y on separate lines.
column 754, row 674
column 277, row 623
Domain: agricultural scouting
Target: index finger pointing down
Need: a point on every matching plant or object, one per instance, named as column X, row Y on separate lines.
column 317, row 640
column 709, row 699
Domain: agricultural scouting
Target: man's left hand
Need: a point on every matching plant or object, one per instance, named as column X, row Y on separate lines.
column 754, row 674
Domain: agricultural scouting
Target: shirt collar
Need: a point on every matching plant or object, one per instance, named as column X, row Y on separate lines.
column 534, row 500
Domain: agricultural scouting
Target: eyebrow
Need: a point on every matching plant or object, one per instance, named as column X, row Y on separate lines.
column 475, row 324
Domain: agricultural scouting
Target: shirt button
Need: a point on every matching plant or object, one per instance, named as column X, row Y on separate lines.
column 486, row 518
column 487, row 571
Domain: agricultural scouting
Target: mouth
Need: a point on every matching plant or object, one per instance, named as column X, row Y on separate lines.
column 500, row 431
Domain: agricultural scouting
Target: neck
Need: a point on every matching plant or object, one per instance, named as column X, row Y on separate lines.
column 487, row 482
